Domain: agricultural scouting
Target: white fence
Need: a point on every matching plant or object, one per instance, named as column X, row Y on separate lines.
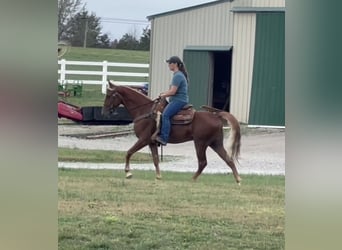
column 63, row 72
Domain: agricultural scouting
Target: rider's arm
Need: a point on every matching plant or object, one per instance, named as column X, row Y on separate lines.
column 172, row 91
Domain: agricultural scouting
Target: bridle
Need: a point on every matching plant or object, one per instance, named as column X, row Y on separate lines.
column 112, row 109
column 148, row 115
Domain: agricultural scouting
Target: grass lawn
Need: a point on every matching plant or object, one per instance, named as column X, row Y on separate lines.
column 110, row 55
column 100, row 209
column 105, row 156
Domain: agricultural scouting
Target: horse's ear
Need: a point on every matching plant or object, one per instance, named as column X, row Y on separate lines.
column 111, row 85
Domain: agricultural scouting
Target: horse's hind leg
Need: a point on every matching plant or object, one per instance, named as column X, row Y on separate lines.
column 154, row 150
column 201, row 157
column 230, row 162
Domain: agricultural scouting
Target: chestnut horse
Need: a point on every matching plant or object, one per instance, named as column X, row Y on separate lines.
column 206, row 129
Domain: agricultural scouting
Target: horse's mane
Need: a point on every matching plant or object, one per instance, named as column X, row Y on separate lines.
column 132, row 90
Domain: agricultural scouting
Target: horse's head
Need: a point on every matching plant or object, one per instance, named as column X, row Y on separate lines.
column 112, row 100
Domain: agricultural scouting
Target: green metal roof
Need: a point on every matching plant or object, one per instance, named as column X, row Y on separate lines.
column 187, row 8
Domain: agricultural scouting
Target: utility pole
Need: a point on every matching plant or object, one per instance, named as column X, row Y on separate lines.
column 85, row 32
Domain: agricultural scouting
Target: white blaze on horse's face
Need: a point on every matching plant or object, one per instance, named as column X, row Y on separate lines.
column 115, row 99
column 111, row 101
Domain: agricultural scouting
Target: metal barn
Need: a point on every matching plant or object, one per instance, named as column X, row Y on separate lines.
column 234, row 53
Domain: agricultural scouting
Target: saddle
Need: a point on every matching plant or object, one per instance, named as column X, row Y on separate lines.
column 184, row 116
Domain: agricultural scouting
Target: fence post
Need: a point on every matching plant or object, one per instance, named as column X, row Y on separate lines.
column 104, row 76
column 62, row 76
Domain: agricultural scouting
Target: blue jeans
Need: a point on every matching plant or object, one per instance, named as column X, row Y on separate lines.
column 170, row 110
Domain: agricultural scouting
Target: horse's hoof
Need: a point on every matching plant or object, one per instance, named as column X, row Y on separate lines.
column 158, row 177
column 129, row 175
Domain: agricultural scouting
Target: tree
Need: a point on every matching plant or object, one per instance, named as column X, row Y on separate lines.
column 144, row 43
column 114, row 44
column 66, row 10
column 104, row 41
column 84, row 30
column 128, row 41
column 80, row 28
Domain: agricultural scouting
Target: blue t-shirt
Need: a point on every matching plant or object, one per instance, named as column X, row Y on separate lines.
column 180, row 81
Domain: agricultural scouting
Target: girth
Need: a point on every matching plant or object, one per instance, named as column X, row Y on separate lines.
column 144, row 116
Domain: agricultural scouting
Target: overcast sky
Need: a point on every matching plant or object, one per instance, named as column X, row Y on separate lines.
column 134, row 13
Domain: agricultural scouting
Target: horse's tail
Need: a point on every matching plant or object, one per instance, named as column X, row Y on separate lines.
column 234, row 139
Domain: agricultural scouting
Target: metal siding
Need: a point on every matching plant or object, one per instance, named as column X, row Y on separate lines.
column 268, row 88
column 212, row 25
column 207, row 26
column 242, row 64
column 259, row 3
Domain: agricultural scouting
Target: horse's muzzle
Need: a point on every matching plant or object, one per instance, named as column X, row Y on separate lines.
column 107, row 112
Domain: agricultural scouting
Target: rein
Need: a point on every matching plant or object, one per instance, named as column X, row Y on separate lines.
column 150, row 114
column 142, row 105
column 138, row 106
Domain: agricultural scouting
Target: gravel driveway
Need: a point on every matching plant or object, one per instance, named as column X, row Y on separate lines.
column 262, row 151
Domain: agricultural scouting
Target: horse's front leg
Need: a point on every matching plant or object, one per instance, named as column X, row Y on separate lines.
column 154, row 150
column 136, row 147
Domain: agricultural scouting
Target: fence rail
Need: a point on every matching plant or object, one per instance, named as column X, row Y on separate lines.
column 104, row 73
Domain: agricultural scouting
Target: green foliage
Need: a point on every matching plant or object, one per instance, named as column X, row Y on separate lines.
column 145, row 39
column 78, row 26
column 128, row 41
column 84, row 30
column 66, row 10
column 104, row 41
column 99, row 209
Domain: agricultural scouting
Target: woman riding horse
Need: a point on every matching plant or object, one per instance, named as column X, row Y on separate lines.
column 178, row 97
column 206, row 129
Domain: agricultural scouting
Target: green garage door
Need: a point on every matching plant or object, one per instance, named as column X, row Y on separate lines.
column 198, row 66
column 268, row 86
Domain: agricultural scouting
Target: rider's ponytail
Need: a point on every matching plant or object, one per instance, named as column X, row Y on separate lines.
column 182, row 68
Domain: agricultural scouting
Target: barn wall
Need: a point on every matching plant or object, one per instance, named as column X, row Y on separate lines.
column 268, row 87
column 211, row 25
column 259, row 3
